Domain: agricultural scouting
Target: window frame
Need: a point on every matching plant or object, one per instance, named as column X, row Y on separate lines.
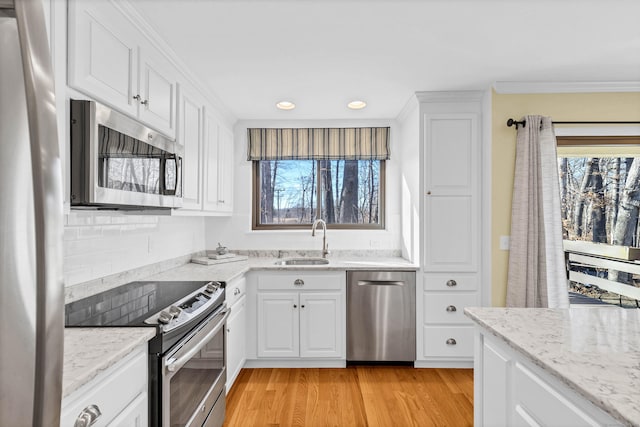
column 255, row 205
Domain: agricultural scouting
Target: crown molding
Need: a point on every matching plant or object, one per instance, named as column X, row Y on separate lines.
column 565, row 87
column 409, row 107
column 450, row 96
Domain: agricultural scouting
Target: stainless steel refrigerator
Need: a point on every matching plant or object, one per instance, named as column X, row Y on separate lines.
column 31, row 209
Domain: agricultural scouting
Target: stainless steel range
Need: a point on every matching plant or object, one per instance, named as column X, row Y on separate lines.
column 187, row 372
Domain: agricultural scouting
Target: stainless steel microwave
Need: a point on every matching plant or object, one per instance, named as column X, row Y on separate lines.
column 118, row 163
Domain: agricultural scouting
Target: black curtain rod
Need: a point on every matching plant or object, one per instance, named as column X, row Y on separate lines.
column 522, row 123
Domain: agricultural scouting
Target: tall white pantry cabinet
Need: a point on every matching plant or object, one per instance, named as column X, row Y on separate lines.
column 451, row 226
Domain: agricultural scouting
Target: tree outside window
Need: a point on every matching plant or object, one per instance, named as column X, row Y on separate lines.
column 294, row 193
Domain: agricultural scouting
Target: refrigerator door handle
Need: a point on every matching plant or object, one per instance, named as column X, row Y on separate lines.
column 48, row 206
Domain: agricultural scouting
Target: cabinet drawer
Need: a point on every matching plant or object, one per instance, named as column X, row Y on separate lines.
column 534, row 396
column 460, row 339
column 304, row 280
column 235, row 290
column 111, row 391
column 448, row 307
column 450, row 282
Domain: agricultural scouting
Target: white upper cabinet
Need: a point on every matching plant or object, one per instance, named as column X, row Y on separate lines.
column 111, row 60
column 157, row 88
column 218, row 165
column 451, row 210
column 225, row 170
column 190, row 130
column 211, row 162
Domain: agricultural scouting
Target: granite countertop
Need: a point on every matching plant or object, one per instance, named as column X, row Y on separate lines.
column 595, row 351
column 89, row 351
column 230, row 270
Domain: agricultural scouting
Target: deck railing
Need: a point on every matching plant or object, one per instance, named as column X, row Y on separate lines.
column 586, row 258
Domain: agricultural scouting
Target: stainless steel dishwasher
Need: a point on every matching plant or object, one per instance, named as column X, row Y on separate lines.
column 381, row 316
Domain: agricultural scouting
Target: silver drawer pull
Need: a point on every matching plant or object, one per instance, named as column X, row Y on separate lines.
column 451, row 283
column 88, row 416
column 236, row 291
column 452, row 308
column 451, row 341
column 299, row 282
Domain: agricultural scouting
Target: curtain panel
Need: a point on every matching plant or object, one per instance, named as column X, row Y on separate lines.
column 318, row 143
column 537, row 275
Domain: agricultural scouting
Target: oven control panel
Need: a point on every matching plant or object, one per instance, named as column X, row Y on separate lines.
column 187, row 308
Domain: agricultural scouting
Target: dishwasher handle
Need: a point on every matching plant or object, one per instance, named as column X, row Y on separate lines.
column 380, row 283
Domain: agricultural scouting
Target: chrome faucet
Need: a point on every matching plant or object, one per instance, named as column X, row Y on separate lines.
column 325, row 250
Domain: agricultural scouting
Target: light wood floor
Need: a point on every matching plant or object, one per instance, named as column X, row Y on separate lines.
column 355, row 396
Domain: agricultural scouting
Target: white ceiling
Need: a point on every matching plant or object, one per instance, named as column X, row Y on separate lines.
column 323, row 53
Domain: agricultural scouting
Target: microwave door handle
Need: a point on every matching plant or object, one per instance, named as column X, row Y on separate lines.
column 174, row 365
column 163, row 167
column 48, row 208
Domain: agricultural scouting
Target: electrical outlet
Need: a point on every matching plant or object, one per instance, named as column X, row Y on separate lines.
column 504, row 243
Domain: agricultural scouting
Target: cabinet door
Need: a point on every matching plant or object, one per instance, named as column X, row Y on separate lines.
column 158, row 91
column 321, row 325
column 278, row 326
column 451, row 208
column 236, row 338
column 210, row 185
column 134, row 415
column 190, row 130
column 225, row 170
column 103, row 57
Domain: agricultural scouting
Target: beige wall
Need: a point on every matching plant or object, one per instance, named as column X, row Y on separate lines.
column 561, row 107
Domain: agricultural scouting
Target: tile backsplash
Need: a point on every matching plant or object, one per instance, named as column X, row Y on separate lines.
column 98, row 244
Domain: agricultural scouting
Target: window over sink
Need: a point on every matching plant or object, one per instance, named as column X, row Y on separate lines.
column 300, row 175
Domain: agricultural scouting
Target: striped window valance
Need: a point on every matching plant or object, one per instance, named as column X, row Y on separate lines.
column 318, row 144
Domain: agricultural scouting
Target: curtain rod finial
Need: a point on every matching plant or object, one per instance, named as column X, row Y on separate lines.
column 515, row 123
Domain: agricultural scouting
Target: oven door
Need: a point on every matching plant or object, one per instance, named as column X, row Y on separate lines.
column 194, row 376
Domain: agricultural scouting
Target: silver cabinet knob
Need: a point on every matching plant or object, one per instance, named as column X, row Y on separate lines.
column 88, row 416
column 295, row 306
column 145, row 102
column 150, row 136
column 137, row 97
column 236, row 291
column 298, row 282
column 451, row 283
column 452, row 308
column 451, row 341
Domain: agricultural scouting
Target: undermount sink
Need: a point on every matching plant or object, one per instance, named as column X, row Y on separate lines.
column 302, row 261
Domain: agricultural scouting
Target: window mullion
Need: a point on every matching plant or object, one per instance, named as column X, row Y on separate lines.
column 318, row 191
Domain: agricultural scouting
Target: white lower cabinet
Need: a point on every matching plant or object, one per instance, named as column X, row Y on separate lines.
column 236, row 338
column 119, row 394
column 509, row 390
column 299, row 325
column 300, row 315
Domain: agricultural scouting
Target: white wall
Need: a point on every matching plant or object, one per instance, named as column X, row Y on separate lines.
column 236, row 233
column 97, row 244
column 409, row 156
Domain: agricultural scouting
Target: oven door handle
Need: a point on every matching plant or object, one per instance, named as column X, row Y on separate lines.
column 175, row 364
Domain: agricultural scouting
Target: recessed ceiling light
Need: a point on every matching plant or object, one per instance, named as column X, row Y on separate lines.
column 357, row 105
column 286, row 105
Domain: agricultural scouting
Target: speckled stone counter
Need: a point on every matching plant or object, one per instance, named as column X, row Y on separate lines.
column 230, row 270
column 595, row 351
column 89, row 351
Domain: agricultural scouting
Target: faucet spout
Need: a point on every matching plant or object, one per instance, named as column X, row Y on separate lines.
column 325, row 250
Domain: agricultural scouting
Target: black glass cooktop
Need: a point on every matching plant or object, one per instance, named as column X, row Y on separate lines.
column 127, row 305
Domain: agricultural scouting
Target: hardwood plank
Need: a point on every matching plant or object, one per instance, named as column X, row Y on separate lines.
column 356, row 396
